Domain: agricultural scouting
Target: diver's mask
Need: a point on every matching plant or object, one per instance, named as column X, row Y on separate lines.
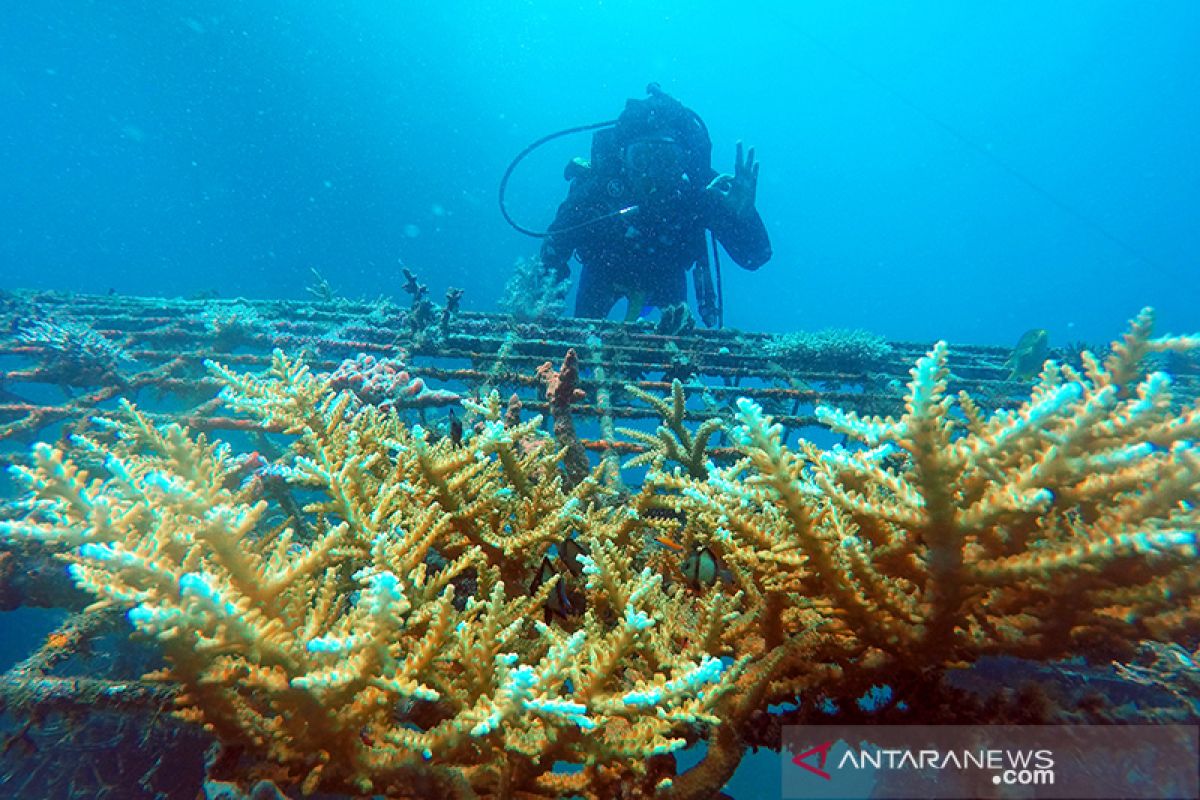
column 655, row 167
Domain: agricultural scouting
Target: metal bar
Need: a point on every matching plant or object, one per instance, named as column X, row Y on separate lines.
column 169, row 339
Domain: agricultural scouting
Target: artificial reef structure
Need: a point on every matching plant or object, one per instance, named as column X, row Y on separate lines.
column 365, row 550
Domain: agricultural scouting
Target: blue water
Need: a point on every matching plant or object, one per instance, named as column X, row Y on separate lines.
column 953, row 170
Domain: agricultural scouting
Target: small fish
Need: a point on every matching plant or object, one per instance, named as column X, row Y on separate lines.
column 558, row 604
column 569, row 552
column 456, row 430
column 700, row 568
column 669, row 543
column 665, row 513
column 1027, row 358
column 662, row 512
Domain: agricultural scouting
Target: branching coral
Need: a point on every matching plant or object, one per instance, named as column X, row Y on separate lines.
column 673, row 441
column 1065, row 526
column 230, row 325
column 398, row 639
column 74, row 354
column 393, row 648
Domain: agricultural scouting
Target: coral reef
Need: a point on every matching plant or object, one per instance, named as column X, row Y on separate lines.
column 73, row 354
column 843, row 349
column 533, row 293
column 396, row 645
column 386, row 384
column 231, row 325
column 393, row 652
column 1067, row 525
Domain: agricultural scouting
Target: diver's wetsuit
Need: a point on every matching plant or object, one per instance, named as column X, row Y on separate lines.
column 647, row 251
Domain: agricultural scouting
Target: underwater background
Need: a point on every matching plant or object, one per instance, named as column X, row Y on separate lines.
column 947, row 170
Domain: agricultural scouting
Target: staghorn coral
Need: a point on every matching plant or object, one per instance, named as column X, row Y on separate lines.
column 672, row 440
column 347, row 662
column 394, row 651
column 320, row 288
column 424, row 321
column 74, row 354
column 1066, row 526
column 231, row 325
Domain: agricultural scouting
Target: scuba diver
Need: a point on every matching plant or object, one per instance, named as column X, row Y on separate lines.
column 637, row 211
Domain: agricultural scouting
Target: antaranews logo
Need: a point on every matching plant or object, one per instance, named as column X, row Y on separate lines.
column 821, row 751
column 1009, row 767
column 1034, row 762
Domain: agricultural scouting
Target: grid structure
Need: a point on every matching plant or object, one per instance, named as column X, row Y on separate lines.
column 159, row 347
column 67, row 358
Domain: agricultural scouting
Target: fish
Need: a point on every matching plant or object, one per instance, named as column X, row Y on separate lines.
column 669, row 543
column 569, row 552
column 456, row 430
column 558, row 604
column 700, row 568
column 1027, row 358
column 665, row 513
column 662, row 512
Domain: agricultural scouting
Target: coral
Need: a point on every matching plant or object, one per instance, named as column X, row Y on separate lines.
column 836, row 348
column 673, row 441
column 421, row 312
column 74, row 354
column 425, row 322
column 533, row 293
column 230, row 325
column 320, row 288
column 562, row 389
column 386, row 384
column 347, row 662
column 398, row 647
column 682, row 366
column 450, row 310
column 676, row 320
column 1065, row 526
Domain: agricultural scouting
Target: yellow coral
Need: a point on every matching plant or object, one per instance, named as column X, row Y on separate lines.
column 398, row 633
column 385, row 637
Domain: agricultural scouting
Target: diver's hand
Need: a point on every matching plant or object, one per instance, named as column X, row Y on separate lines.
column 737, row 191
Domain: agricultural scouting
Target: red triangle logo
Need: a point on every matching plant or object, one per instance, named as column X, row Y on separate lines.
column 821, row 751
